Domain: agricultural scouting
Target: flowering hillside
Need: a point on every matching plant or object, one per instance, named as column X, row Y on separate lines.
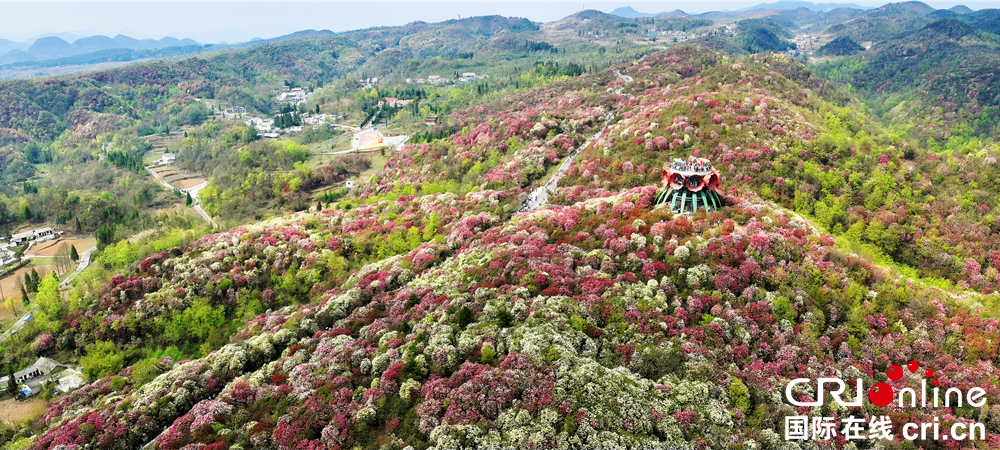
column 413, row 316
column 770, row 128
column 603, row 324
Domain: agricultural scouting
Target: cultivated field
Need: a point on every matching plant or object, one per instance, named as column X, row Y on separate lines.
column 161, row 143
column 46, row 261
column 9, row 287
column 180, row 179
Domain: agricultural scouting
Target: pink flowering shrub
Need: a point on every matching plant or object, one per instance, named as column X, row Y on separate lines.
column 44, row 342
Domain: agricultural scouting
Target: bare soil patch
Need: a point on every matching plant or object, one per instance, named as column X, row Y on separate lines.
column 175, row 208
column 13, row 411
column 9, row 286
column 188, row 183
column 51, row 248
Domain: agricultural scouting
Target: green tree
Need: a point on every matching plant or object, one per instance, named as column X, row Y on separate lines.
column 102, row 358
column 783, row 309
column 48, row 297
column 189, row 200
column 73, row 255
column 739, row 395
column 120, row 254
column 105, row 235
column 33, row 280
column 196, row 322
column 432, row 227
column 11, row 384
column 24, row 298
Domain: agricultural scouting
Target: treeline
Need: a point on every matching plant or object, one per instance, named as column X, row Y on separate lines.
column 285, row 120
column 432, row 134
column 552, row 69
column 530, row 46
column 125, row 160
column 85, row 210
column 681, row 24
column 263, row 177
column 405, row 93
column 458, row 55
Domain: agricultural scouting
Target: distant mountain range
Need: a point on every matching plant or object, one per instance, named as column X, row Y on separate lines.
column 793, row 4
column 54, row 47
column 52, row 55
column 629, row 12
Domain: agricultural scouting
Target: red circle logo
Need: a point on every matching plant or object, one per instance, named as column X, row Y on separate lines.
column 881, row 394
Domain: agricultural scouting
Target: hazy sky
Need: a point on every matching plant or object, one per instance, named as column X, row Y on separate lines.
column 238, row 21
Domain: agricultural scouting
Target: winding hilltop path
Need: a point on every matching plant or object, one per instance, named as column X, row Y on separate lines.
column 540, row 195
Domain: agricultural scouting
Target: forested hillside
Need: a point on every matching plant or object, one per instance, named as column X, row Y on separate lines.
column 937, row 74
column 71, row 124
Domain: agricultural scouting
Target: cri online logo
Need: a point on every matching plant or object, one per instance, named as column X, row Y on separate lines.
column 882, row 394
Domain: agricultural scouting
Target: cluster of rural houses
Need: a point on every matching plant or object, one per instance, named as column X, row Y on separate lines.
column 680, row 36
column 45, row 370
column 7, row 256
column 436, row 79
column 294, row 97
column 7, row 259
column 267, row 129
column 367, row 83
column 393, row 102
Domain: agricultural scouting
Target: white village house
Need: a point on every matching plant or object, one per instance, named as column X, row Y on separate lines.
column 166, row 158
column 44, row 234
column 21, row 238
column 42, row 371
column 40, row 234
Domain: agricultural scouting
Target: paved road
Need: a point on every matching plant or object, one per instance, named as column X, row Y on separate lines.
column 197, row 202
column 193, row 190
column 160, row 180
column 368, row 124
column 540, row 195
column 19, row 324
column 84, row 262
column 354, row 129
column 626, row 79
